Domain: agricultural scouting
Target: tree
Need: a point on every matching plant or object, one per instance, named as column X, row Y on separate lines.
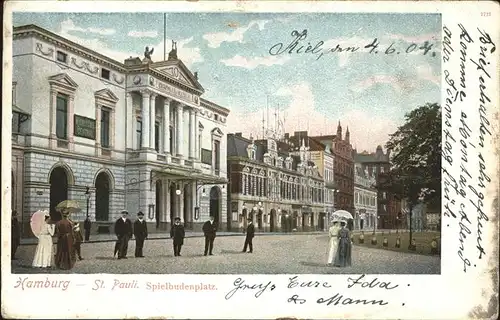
column 415, row 174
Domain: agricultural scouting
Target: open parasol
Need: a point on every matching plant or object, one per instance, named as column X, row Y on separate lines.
column 69, row 206
column 342, row 214
column 38, row 221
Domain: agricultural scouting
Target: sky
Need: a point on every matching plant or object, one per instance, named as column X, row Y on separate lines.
column 239, row 64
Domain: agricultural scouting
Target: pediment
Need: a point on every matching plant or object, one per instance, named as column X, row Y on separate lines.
column 177, row 70
column 107, row 95
column 62, row 79
column 217, row 132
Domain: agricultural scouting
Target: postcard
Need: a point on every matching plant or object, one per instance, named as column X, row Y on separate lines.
column 250, row 160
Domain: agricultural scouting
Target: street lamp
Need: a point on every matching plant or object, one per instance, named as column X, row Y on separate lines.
column 87, row 195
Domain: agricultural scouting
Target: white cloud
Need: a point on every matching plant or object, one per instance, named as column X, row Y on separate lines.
column 143, row 34
column 237, row 35
column 188, row 55
column 68, row 25
column 252, row 63
column 342, row 47
column 424, row 72
column 367, row 130
column 418, row 39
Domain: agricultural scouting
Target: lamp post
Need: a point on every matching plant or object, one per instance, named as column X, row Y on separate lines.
column 87, row 225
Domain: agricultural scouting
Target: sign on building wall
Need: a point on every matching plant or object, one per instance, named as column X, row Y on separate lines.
column 206, row 156
column 84, row 127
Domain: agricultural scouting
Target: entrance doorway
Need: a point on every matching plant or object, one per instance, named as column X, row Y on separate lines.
column 173, row 202
column 58, row 191
column 215, row 204
column 102, row 197
column 259, row 219
column 321, row 221
column 158, row 201
column 272, row 220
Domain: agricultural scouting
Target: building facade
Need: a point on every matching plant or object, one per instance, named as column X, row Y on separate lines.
column 388, row 206
column 343, row 170
column 322, row 156
column 278, row 190
column 365, row 199
column 135, row 135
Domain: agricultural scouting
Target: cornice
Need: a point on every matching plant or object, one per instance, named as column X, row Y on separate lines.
column 214, row 107
column 45, row 35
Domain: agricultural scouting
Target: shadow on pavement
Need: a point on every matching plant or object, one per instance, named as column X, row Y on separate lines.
column 232, row 251
column 314, row 264
column 105, row 258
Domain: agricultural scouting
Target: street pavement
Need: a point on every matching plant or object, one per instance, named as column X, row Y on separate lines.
column 273, row 254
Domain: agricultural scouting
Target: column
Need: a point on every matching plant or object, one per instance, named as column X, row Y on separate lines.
column 196, row 135
column 130, row 121
column 166, row 126
column 192, row 136
column 194, row 199
column 145, row 118
column 180, row 129
column 97, row 129
column 71, row 122
column 53, row 113
column 152, row 107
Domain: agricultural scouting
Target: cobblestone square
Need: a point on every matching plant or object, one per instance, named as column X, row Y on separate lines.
column 273, row 254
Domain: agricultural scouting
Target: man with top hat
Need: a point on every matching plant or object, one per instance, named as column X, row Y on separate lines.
column 123, row 231
column 140, row 233
column 177, row 233
column 209, row 230
column 249, row 237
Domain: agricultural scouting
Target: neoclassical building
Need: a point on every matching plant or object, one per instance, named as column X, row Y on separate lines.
column 279, row 190
column 112, row 135
column 365, row 199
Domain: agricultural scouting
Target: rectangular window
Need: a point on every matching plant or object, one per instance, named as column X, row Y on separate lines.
column 62, row 57
column 138, row 132
column 62, row 117
column 217, row 157
column 105, row 126
column 105, row 74
column 206, row 156
column 157, row 136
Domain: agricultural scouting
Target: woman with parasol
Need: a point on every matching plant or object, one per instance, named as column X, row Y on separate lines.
column 43, row 229
column 344, row 251
column 333, row 233
column 65, row 255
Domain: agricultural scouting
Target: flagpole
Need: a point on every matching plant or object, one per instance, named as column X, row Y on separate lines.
column 164, row 36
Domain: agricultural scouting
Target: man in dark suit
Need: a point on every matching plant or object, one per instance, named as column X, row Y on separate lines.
column 87, row 225
column 249, row 237
column 123, row 231
column 209, row 230
column 15, row 234
column 177, row 233
column 140, row 233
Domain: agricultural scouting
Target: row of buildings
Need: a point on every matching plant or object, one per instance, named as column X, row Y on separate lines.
column 138, row 135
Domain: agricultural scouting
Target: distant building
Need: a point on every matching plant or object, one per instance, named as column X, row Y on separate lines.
column 138, row 134
column 388, row 206
column 322, row 155
column 343, row 169
column 365, row 199
column 278, row 190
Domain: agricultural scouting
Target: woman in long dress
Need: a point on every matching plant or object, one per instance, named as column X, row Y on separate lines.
column 65, row 255
column 333, row 233
column 343, row 256
column 43, row 253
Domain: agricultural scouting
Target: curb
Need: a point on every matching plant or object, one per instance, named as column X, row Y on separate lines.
column 189, row 236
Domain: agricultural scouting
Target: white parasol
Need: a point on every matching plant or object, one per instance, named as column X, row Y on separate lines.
column 38, row 221
column 342, row 214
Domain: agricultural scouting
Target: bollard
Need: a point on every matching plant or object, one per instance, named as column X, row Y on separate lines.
column 434, row 245
column 413, row 245
column 385, row 243
column 361, row 239
column 398, row 242
column 374, row 239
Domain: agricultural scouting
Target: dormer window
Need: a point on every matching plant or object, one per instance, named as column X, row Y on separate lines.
column 252, row 154
column 62, row 57
column 105, row 74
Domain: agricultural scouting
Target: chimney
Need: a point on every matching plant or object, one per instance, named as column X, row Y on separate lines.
column 238, row 134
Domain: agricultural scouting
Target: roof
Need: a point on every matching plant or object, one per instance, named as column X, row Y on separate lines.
column 237, row 147
column 371, row 157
